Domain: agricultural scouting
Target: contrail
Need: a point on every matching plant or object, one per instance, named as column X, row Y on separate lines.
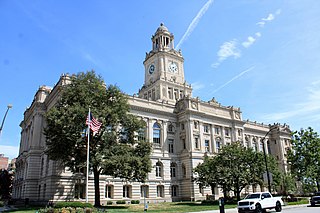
column 194, row 23
column 234, row 78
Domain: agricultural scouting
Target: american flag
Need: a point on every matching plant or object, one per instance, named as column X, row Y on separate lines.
column 93, row 123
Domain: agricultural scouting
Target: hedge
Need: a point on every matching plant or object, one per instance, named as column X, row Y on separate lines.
column 73, row 204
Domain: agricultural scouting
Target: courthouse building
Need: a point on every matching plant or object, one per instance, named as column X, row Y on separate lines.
column 182, row 129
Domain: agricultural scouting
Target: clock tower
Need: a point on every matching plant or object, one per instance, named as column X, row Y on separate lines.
column 164, row 72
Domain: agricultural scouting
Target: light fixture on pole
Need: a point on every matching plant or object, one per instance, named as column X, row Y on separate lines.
column 4, row 118
column 265, row 159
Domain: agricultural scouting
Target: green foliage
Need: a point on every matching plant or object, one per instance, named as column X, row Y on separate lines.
column 109, row 202
column 135, row 201
column 234, row 168
column 114, row 150
column 1, row 203
column 120, row 202
column 5, row 184
column 74, row 204
column 304, row 157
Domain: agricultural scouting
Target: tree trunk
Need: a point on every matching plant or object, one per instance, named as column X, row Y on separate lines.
column 96, row 175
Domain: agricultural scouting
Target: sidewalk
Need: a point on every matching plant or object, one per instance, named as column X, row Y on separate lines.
column 235, row 210
column 7, row 208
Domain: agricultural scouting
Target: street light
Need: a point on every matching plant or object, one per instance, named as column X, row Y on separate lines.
column 265, row 159
column 4, row 118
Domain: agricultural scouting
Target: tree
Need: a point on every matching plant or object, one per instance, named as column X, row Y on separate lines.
column 304, row 156
column 5, row 184
column 234, row 168
column 114, row 150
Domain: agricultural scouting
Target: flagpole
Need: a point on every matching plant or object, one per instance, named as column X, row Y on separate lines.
column 87, row 178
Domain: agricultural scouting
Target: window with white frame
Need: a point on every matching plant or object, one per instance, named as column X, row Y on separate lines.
column 195, row 124
column 206, row 145
column 206, row 128
column 173, row 167
column 196, row 143
column 174, row 191
column 156, row 134
column 160, row 191
column 126, row 191
column 170, row 144
column 142, row 133
column 144, row 190
column 227, row 132
column 217, row 130
column 158, row 169
column 109, row 191
column 218, row 145
column 184, row 171
column 80, row 191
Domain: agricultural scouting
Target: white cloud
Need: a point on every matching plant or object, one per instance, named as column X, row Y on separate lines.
column 9, row 151
column 227, row 49
column 250, row 40
column 234, row 78
column 269, row 18
column 194, row 23
column 305, row 109
column 197, row 86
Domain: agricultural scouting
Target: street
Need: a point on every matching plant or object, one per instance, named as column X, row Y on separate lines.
column 302, row 209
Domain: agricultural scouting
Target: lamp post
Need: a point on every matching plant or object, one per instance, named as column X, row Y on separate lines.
column 265, row 159
column 4, row 118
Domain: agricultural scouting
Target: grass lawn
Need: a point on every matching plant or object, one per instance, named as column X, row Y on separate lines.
column 158, row 207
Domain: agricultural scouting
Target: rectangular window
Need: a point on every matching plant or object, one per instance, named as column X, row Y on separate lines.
column 206, row 145
column 126, row 191
column 196, row 142
column 184, row 143
column 144, row 191
column 170, row 143
column 217, row 130
column 206, row 128
column 195, row 123
column 182, row 126
column 108, row 193
column 217, row 146
column 170, row 93
column 227, row 132
column 160, row 190
column 80, row 191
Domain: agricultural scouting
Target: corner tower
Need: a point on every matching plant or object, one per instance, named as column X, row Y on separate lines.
column 164, row 71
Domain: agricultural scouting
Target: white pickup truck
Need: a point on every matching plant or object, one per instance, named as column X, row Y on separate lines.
column 258, row 202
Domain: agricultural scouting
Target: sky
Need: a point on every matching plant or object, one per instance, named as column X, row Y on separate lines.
column 262, row 56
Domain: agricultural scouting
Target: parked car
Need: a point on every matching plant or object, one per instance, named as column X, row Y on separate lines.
column 258, row 202
column 315, row 199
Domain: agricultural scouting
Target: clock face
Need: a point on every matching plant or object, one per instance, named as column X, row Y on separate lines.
column 151, row 68
column 173, row 67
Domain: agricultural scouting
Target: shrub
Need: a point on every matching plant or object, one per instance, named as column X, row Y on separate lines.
column 135, row 201
column 72, row 204
column 210, row 202
column 120, row 202
column 1, row 203
column 109, row 202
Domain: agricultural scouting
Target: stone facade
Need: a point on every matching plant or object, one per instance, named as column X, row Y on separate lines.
column 182, row 129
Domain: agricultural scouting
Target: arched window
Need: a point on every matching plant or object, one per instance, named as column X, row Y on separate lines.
column 173, row 167
column 159, row 169
column 174, row 191
column 144, row 190
column 126, row 191
column 156, row 134
column 184, row 171
column 109, row 191
column 160, row 191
